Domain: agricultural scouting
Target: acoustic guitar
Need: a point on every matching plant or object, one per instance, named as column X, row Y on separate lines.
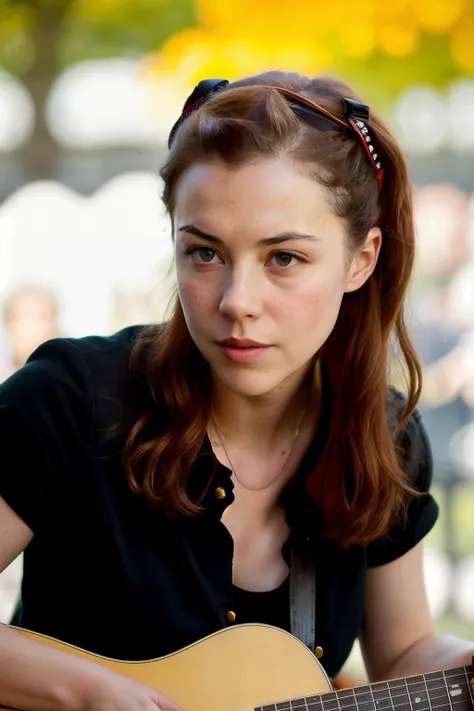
column 255, row 667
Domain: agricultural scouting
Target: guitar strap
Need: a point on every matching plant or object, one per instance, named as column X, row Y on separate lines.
column 303, row 595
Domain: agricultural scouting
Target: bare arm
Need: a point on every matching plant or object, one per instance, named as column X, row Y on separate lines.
column 33, row 676
column 398, row 637
column 38, row 678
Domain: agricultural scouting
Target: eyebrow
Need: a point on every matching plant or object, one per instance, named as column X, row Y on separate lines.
column 278, row 239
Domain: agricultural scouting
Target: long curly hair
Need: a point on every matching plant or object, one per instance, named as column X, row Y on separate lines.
column 360, row 480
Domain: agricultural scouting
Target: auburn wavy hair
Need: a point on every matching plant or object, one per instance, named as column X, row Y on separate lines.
column 360, row 481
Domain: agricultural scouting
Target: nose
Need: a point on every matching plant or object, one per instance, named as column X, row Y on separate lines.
column 242, row 297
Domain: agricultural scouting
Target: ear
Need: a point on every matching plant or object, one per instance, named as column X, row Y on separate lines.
column 364, row 260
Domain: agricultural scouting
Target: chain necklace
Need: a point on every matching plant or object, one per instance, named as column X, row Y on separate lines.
column 221, row 435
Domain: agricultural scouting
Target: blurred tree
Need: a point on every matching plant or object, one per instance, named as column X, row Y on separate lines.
column 38, row 38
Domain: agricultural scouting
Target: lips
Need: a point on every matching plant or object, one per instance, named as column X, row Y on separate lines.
column 243, row 350
column 241, row 343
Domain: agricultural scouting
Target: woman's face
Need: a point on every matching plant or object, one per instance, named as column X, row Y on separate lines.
column 262, row 266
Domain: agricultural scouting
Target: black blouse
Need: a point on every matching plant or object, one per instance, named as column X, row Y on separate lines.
column 105, row 573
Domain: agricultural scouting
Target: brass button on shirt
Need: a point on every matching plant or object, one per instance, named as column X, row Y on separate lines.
column 103, row 571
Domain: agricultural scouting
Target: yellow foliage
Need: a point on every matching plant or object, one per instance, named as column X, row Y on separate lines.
column 281, row 17
column 98, row 9
column 462, row 44
column 438, row 16
column 242, row 37
column 357, row 38
column 396, row 39
column 199, row 53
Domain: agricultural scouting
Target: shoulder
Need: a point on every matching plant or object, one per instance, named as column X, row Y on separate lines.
column 66, row 373
column 422, row 511
column 412, row 441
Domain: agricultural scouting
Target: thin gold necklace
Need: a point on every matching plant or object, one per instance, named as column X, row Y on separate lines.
column 221, row 435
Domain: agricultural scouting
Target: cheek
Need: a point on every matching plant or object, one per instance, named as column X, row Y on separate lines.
column 197, row 300
column 312, row 313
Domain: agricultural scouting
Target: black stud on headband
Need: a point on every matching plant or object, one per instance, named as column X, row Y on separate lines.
column 357, row 114
column 203, row 91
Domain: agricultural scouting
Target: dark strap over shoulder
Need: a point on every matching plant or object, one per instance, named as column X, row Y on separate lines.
column 303, row 595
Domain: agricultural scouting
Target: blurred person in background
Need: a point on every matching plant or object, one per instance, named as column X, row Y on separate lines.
column 450, row 378
column 441, row 325
column 178, row 471
column 30, row 317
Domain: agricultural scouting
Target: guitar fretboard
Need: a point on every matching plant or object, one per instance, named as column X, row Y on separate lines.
column 448, row 690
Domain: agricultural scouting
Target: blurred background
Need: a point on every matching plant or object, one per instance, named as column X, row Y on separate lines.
column 88, row 92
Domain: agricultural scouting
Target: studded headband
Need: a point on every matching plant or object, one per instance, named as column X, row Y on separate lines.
column 356, row 114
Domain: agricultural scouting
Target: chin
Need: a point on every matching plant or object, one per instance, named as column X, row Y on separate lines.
column 247, row 383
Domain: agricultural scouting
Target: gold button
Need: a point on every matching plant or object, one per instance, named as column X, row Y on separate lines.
column 220, row 492
column 231, row 616
column 319, row 652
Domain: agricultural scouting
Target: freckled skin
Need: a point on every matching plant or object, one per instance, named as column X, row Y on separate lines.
column 244, row 289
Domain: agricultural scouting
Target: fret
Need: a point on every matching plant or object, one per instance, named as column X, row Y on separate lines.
column 468, row 680
column 408, row 692
column 330, row 702
column 394, row 684
column 379, row 686
column 346, row 699
column 372, row 695
column 364, row 700
column 434, row 676
column 298, row 705
column 359, row 698
column 391, row 695
column 416, row 683
column 313, row 703
column 338, row 701
column 439, row 696
column 458, row 689
column 382, row 699
column 399, row 694
column 427, row 692
column 457, row 671
column 417, row 691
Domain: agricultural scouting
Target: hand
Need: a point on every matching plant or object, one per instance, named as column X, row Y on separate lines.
column 118, row 693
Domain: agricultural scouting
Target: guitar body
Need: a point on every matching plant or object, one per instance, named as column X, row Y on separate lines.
column 239, row 668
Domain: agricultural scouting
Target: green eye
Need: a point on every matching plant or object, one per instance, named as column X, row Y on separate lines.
column 283, row 259
column 201, row 255
column 207, row 255
column 286, row 260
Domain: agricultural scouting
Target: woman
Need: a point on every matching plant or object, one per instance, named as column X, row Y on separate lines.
column 160, row 478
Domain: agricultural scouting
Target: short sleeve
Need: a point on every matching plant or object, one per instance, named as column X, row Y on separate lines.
column 422, row 510
column 46, row 415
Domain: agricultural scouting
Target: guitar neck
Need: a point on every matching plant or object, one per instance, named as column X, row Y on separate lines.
column 448, row 690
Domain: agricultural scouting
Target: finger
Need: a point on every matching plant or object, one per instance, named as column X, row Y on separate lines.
column 165, row 704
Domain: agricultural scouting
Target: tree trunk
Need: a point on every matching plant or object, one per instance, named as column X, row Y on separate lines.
column 40, row 154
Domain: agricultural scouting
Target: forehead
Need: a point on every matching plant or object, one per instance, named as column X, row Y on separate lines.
column 264, row 197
